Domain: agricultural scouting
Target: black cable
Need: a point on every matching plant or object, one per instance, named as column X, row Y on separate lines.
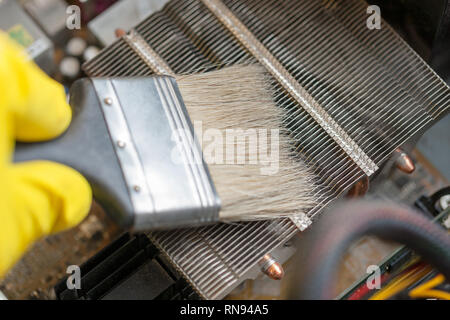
column 322, row 247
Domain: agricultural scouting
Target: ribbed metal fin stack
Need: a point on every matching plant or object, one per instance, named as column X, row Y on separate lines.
column 353, row 94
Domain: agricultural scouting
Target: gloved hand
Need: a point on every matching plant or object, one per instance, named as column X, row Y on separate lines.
column 39, row 197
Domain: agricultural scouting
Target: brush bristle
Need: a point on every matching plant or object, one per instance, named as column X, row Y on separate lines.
column 240, row 97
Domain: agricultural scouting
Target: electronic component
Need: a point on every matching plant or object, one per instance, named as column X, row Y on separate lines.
column 20, row 27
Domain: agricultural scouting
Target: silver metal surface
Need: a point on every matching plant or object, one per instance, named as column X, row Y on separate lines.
column 168, row 182
column 153, row 60
column 370, row 82
column 301, row 221
column 124, row 14
column 124, row 146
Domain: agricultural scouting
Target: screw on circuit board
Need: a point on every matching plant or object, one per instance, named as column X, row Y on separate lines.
column 359, row 189
column 271, row 267
column 404, row 162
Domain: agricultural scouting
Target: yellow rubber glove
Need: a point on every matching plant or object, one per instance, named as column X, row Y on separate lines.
column 39, row 197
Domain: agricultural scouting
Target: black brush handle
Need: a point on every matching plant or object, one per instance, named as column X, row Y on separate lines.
column 86, row 146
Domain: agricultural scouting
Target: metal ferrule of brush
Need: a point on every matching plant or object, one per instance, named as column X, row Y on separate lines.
column 161, row 160
column 139, row 152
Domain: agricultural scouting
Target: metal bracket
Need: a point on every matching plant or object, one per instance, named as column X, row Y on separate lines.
column 124, row 146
